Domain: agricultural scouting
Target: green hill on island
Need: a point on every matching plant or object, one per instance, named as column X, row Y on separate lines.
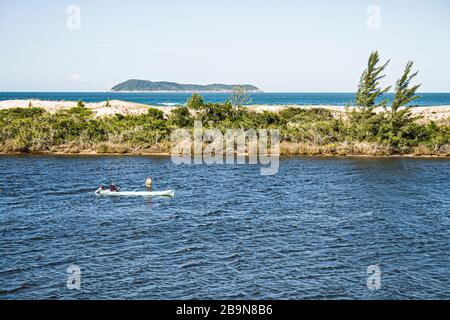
column 145, row 85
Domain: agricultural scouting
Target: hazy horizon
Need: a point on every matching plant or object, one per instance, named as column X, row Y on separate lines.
column 278, row 46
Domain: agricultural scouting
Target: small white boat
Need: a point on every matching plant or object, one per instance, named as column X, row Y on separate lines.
column 167, row 193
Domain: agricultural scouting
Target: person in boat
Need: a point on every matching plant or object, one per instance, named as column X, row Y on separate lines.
column 148, row 183
column 113, row 188
column 102, row 187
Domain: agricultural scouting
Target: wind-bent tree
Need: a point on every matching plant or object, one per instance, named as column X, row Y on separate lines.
column 369, row 89
column 404, row 94
column 365, row 123
column 398, row 128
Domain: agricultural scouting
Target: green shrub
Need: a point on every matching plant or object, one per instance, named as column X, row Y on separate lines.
column 155, row 113
column 19, row 113
column 80, row 104
column 215, row 112
column 181, row 117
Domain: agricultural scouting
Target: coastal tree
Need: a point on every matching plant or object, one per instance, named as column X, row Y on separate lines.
column 404, row 94
column 239, row 98
column 399, row 129
column 369, row 88
column 364, row 123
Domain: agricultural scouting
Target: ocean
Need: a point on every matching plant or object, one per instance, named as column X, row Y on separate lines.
column 170, row 98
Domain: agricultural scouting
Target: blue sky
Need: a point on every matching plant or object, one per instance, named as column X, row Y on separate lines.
column 283, row 45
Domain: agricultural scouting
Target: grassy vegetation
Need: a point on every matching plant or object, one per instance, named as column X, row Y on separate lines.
column 302, row 131
column 76, row 129
column 359, row 131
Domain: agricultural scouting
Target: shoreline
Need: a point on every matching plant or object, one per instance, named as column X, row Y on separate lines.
column 168, row 154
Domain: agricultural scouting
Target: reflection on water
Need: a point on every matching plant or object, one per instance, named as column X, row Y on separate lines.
column 311, row 231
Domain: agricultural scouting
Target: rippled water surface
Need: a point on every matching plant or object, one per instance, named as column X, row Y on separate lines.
column 174, row 98
column 310, row 231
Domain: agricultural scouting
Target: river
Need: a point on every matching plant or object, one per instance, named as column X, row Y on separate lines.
column 310, row 231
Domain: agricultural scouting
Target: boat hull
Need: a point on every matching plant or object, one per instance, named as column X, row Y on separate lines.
column 107, row 193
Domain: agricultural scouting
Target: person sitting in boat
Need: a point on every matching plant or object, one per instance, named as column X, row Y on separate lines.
column 148, row 183
column 102, row 187
column 113, row 188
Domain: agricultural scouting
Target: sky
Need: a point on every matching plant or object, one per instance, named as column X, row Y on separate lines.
column 279, row 46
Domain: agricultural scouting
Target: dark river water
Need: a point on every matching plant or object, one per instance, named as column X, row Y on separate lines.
column 310, row 231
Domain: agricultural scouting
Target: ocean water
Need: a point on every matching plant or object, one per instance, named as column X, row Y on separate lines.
column 310, row 231
column 167, row 99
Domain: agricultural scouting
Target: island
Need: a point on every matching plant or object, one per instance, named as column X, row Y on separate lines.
column 135, row 85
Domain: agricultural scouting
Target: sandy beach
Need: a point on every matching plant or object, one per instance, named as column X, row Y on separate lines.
column 100, row 109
